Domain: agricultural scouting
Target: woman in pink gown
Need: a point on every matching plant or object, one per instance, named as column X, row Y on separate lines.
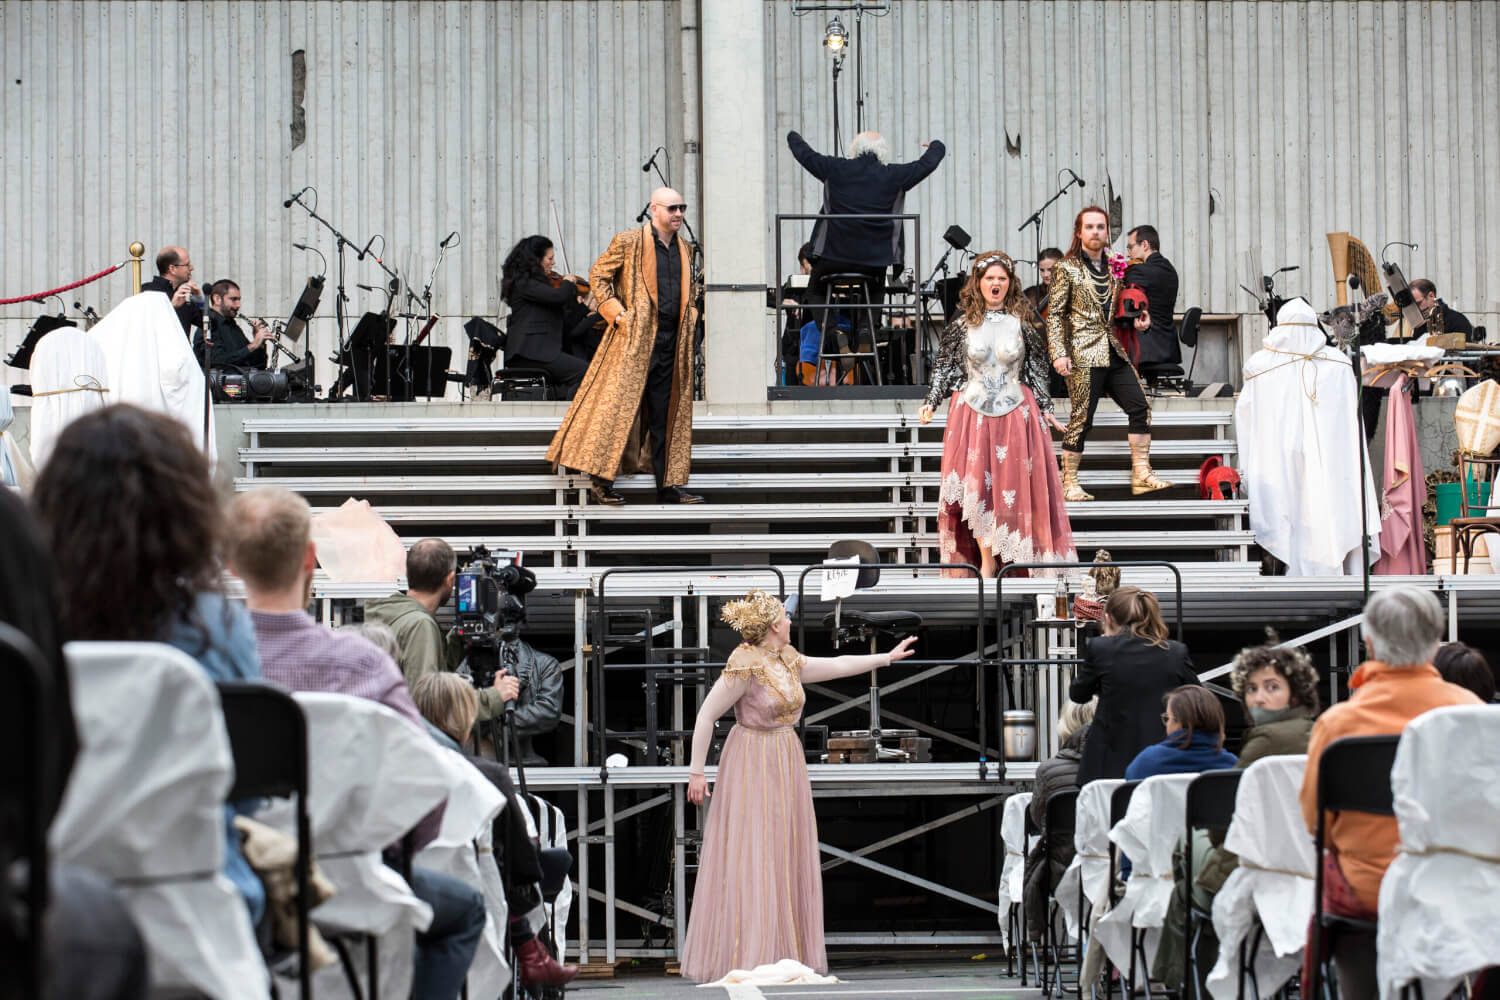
column 759, row 895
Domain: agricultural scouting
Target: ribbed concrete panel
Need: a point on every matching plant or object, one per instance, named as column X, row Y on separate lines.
column 171, row 122
column 1234, row 128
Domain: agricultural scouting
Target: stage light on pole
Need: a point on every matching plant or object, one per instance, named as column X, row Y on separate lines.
column 835, row 37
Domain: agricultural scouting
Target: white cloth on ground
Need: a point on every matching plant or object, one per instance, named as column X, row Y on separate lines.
column 1299, row 444
column 144, row 807
column 1440, row 897
column 69, row 377
column 151, row 363
column 786, row 972
column 1273, row 885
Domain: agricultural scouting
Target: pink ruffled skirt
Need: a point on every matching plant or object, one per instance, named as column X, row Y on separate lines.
column 759, row 895
column 1000, row 489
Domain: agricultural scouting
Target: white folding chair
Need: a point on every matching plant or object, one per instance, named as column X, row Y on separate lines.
column 145, row 808
column 464, row 849
column 1148, row 835
column 1440, row 897
column 1089, row 871
column 552, row 831
column 372, row 775
column 1261, row 912
column 1013, row 873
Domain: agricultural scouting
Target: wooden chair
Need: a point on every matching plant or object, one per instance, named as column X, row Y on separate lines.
column 1478, row 518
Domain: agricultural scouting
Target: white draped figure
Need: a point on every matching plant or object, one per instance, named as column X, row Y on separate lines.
column 1300, row 450
column 69, row 377
column 151, row 363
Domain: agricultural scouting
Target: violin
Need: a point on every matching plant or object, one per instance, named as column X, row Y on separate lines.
column 558, row 280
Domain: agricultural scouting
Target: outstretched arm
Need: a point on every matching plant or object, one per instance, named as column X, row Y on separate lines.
column 813, row 162
column 820, row 668
column 727, row 690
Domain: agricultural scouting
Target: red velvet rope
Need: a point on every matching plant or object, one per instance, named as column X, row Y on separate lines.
column 62, row 288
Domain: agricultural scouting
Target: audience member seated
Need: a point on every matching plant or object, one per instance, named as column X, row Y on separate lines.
column 1058, row 773
column 449, row 702
column 1279, row 688
column 383, row 639
column 1129, row 669
column 1462, row 664
column 1402, row 629
column 92, row 947
column 128, row 507
column 430, row 569
column 1195, row 737
column 270, row 547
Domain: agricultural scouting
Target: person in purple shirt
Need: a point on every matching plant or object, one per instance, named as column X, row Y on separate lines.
column 270, row 548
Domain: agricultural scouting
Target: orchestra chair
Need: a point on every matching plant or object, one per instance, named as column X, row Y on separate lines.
column 1167, row 377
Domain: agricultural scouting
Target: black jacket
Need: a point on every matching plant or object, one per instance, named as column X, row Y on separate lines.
column 1058, row 773
column 862, row 186
column 230, row 345
column 1130, row 676
column 535, row 327
column 1158, row 279
column 188, row 314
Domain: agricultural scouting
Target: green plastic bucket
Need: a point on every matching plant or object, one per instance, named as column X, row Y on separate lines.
column 1450, row 500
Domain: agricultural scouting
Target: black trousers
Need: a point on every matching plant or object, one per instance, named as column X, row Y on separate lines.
column 565, row 371
column 1087, row 386
column 657, row 399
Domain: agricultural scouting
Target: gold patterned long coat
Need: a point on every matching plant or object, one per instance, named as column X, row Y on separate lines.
column 1080, row 324
column 595, row 430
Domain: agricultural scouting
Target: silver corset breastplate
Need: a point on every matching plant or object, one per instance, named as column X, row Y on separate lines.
column 993, row 359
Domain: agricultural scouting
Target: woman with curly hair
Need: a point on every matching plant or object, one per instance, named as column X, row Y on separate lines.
column 759, row 897
column 1000, row 499
column 539, row 309
column 128, row 509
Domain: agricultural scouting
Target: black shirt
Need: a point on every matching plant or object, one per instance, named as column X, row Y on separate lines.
column 668, row 282
column 230, row 345
column 188, row 314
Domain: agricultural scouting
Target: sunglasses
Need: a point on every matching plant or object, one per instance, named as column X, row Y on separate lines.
column 675, row 208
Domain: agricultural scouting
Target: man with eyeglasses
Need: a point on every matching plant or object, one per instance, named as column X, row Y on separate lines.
column 644, row 364
column 174, row 279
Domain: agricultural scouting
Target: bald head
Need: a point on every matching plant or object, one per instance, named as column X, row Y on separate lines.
column 269, row 536
column 667, row 210
column 174, row 264
column 873, row 143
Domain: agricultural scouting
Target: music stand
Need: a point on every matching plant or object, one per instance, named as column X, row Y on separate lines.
column 367, row 351
column 485, row 341
column 429, row 374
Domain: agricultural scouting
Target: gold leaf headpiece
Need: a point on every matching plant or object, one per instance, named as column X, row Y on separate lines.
column 753, row 617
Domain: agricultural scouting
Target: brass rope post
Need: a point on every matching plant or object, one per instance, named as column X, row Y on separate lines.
column 137, row 252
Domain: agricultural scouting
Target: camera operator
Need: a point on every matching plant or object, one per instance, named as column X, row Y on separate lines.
column 431, row 566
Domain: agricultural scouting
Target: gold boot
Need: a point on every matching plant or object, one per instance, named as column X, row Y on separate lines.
column 1071, row 490
column 1142, row 479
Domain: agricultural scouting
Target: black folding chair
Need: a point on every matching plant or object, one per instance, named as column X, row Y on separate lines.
column 25, row 768
column 1119, row 802
column 268, row 738
column 1210, row 806
column 1061, row 814
column 1354, row 775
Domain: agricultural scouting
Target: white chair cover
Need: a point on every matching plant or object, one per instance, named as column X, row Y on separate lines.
column 552, row 831
column 1273, row 885
column 1013, row 869
column 1440, row 898
column 1090, row 863
column 67, row 369
column 464, row 849
column 1147, row 835
column 145, row 808
column 151, row 363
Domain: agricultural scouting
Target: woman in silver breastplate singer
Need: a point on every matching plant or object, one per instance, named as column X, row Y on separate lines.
column 1000, row 498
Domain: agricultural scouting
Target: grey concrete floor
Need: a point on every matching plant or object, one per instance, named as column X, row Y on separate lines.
column 948, row 981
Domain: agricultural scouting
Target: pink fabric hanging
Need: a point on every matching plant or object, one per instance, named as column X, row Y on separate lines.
column 1403, row 552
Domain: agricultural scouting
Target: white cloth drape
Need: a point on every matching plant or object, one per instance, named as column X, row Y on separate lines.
column 1090, row 864
column 1273, row 885
column 1300, row 446
column 1013, row 869
column 69, row 377
column 1440, row 897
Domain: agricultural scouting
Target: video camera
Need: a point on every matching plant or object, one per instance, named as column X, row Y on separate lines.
column 489, row 598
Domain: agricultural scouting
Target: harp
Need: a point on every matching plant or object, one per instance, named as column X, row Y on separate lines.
column 1350, row 256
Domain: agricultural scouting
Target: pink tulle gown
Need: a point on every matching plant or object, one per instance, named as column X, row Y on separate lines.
column 759, row 896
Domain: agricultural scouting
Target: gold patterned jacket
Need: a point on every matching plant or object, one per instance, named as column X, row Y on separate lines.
column 1079, row 323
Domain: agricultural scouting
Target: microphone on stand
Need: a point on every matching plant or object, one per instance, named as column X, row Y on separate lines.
column 449, row 239
column 1076, row 179
column 299, row 194
column 646, row 168
column 301, row 246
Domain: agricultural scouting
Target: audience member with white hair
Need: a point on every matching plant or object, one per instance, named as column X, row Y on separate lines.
column 1403, row 628
column 863, row 183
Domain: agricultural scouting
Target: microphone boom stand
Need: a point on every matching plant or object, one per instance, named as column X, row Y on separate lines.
column 1036, row 221
column 341, row 241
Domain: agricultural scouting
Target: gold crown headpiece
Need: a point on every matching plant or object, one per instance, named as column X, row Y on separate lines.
column 754, row 615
